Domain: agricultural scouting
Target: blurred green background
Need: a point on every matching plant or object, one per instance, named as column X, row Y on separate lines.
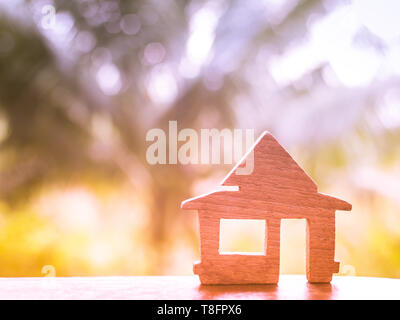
column 81, row 83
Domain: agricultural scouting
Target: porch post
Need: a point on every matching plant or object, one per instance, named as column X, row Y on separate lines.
column 209, row 235
column 273, row 237
column 320, row 253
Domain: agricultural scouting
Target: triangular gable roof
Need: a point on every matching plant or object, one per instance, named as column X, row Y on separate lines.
column 275, row 176
column 273, row 167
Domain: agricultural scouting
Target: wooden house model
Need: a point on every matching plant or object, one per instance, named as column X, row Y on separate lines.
column 276, row 189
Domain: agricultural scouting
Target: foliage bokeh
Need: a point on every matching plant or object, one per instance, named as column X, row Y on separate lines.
column 77, row 98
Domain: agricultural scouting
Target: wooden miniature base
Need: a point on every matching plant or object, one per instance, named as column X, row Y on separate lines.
column 237, row 271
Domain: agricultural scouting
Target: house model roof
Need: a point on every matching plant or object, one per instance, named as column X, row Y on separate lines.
column 273, row 166
column 276, row 177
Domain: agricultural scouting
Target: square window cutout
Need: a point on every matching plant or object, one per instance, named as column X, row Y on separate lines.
column 242, row 236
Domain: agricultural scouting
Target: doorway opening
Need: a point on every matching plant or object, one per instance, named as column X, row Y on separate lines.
column 293, row 246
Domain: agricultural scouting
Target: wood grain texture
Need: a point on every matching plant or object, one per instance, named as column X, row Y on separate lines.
column 189, row 287
column 278, row 188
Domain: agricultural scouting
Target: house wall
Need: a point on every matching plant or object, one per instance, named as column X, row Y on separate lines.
column 216, row 268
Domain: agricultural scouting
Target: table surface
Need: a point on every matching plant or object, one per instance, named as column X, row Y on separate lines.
column 188, row 287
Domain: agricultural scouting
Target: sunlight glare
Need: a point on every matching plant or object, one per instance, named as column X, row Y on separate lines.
column 109, row 79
